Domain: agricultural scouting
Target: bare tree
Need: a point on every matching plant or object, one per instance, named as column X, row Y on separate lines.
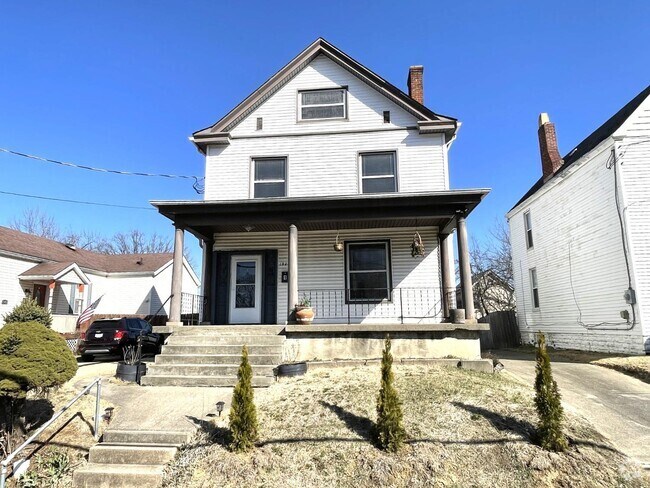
column 136, row 242
column 36, row 222
column 492, row 270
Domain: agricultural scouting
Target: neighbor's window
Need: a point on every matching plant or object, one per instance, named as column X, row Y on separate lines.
column 528, row 223
column 322, row 104
column 378, row 172
column 533, row 287
column 269, row 177
column 368, row 271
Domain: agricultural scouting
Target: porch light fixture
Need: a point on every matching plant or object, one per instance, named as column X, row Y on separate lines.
column 417, row 246
column 220, row 406
column 248, row 228
column 338, row 245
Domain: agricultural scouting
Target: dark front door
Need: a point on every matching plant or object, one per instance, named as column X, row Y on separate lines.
column 232, row 298
column 39, row 294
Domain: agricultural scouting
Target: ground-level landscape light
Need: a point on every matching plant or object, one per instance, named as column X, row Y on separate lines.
column 108, row 414
column 220, row 406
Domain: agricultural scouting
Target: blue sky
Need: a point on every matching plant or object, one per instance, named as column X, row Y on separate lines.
column 123, row 84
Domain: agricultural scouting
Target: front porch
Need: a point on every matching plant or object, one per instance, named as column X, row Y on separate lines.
column 353, row 262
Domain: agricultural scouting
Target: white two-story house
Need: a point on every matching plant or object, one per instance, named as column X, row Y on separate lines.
column 317, row 186
column 581, row 238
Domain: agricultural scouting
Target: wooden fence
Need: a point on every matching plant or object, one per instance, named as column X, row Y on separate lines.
column 504, row 331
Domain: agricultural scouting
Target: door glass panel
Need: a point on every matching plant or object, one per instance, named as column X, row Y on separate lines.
column 245, row 285
column 246, row 272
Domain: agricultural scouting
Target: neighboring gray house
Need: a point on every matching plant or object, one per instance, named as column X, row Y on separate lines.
column 581, row 238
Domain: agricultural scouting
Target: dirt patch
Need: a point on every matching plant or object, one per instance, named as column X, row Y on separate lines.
column 637, row 366
column 464, row 428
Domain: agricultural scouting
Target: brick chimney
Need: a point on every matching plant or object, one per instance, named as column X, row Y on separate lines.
column 551, row 159
column 414, row 82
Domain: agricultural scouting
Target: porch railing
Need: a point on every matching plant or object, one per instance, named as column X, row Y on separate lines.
column 345, row 305
column 192, row 308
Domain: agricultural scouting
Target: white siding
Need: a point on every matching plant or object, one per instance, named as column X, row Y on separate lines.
column 634, row 156
column 10, row 289
column 320, row 267
column 578, row 254
column 323, row 155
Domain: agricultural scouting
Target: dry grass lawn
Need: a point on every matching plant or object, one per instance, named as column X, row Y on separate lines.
column 465, row 429
column 637, row 366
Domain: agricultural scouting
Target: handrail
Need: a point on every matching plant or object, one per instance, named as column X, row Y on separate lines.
column 10, row 457
column 161, row 307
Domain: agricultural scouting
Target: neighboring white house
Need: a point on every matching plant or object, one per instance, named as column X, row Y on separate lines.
column 66, row 279
column 581, row 238
column 316, row 187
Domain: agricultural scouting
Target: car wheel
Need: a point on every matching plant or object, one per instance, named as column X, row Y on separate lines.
column 87, row 357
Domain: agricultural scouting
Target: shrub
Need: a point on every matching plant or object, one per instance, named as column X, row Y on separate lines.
column 548, row 402
column 33, row 357
column 243, row 415
column 29, row 311
column 389, row 430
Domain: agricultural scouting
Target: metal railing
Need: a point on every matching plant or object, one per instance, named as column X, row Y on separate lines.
column 192, row 308
column 385, row 304
column 39, row 431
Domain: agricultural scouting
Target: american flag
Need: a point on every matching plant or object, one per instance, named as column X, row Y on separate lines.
column 86, row 314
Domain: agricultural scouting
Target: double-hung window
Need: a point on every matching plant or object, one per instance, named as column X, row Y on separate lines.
column 269, row 177
column 533, row 287
column 322, row 104
column 379, row 172
column 528, row 224
column 368, row 276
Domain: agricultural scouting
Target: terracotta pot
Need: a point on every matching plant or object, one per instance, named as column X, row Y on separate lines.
column 304, row 315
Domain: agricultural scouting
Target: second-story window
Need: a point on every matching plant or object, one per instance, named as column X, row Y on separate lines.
column 322, row 104
column 269, row 177
column 378, row 172
column 534, row 288
column 528, row 224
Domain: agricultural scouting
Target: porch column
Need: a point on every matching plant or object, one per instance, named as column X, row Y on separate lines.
column 177, row 278
column 206, row 289
column 447, row 274
column 465, row 269
column 292, row 293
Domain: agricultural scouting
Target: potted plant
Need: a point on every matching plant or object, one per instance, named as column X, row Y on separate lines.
column 304, row 312
column 132, row 368
column 289, row 366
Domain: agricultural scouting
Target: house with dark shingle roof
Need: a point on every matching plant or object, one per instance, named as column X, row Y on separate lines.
column 66, row 279
column 581, row 238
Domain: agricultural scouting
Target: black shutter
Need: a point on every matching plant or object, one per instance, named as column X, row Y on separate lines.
column 221, row 286
column 270, row 283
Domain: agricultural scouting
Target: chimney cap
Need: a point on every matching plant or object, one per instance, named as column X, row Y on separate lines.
column 543, row 119
column 417, row 66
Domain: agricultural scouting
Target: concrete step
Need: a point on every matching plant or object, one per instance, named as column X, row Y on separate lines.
column 221, row 349
column 239, row 330
column 131, row 454
column 225, row 340
column 216, row 359
column 140, row 437
column 118, row 476
column 226, row 381
column 205, row 370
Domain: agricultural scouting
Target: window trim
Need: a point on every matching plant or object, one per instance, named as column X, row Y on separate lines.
column 534, row 287
column 299, row 105
column 528, row 229
column 360, row 156
column 389, row 270
column 252, row 180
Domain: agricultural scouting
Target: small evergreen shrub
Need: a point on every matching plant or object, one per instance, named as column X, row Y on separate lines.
column 390, row 433
column 29, row 311
column 243, row 415
column 548, row 402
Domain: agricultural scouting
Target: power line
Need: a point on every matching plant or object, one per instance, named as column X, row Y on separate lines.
column 197, row 185
column 81, row 202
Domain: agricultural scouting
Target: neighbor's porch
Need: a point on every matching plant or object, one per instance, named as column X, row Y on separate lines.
column 295, row 225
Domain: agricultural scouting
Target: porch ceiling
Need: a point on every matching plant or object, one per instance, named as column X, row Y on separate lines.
column 203, row 218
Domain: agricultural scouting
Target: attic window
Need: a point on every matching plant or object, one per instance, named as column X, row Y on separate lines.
column 386, row 116
column 322, row 104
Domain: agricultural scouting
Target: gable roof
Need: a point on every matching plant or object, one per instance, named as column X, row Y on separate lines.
column 218, row 132
column 592, row 140
column 42, row 249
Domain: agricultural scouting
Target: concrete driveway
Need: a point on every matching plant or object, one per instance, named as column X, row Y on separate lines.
column 616, row 404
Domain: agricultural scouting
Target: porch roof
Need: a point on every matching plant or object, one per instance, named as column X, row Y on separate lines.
column 203, row 218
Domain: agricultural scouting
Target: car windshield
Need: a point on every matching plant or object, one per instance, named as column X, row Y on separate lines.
column 106, row 325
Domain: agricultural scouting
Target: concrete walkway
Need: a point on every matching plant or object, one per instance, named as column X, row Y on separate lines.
column 616, row 404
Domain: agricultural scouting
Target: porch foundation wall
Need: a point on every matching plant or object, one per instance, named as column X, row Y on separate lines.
column 460, row 344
